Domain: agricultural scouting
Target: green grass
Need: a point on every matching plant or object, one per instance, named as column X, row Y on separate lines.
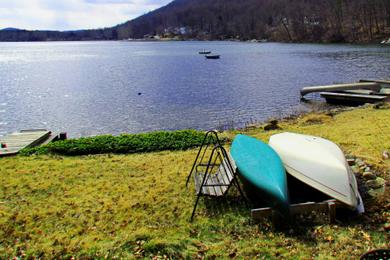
column 136, row 205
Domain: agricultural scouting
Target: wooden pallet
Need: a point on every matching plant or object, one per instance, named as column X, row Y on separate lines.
column 328, row 207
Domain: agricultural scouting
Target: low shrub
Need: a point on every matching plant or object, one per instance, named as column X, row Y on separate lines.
column 125, row 143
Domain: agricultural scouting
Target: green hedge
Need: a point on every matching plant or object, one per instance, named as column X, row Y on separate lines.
column 125, row 143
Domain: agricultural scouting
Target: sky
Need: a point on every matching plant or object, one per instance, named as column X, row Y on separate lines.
column 72, row 14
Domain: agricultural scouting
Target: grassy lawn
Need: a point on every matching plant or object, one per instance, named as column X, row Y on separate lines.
column 130, row 206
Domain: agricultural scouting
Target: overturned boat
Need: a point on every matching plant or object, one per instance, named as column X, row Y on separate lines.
column 353, row 98
column 262, row 172
column 342, row 87
column 365, row 91
column 320, row 164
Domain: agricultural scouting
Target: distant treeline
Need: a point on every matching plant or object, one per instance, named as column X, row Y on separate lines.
column 278, row 20
column 81, row 35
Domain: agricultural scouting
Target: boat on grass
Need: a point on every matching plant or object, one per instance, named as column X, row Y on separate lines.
column 262, row 172
column 320, row 164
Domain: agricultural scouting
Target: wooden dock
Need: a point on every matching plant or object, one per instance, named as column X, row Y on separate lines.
column 13, row 143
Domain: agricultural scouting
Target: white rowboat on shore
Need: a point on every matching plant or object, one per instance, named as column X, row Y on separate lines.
column 320, row 164
column 340, row 87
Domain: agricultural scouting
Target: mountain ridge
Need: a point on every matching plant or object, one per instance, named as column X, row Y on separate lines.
column 11, row 29
column 277, row 20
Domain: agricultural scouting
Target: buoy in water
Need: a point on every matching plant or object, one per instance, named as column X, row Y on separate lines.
column 139, row 93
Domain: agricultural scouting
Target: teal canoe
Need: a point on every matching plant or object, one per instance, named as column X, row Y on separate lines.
column 262, row 172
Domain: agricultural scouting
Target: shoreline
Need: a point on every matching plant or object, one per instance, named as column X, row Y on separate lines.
column 378, row 43
column 321, row 114
column 308, row 107
column 298, row 110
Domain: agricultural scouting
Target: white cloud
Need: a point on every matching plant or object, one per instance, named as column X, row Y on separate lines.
column 72, row 14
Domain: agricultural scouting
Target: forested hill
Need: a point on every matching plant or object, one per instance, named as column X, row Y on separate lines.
column 280, row 20
column 277, row 20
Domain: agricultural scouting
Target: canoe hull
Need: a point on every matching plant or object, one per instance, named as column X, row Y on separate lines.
column 320, row 164
column 261, row 171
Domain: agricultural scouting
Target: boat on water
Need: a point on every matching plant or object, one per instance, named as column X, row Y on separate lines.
column 204, row 52
column 212, row 56
column 262, row 172
column 320, row 164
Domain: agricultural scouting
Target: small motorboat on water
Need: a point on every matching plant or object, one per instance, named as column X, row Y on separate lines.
column 262, row 172
column 205, row 52
column 320, row 164
column 212, row 56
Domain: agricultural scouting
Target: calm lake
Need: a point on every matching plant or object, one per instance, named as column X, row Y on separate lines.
column 89, row 88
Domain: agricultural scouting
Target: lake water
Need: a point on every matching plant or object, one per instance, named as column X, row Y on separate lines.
column 89, row 88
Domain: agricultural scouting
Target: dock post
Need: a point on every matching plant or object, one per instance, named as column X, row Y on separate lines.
column 63, row 136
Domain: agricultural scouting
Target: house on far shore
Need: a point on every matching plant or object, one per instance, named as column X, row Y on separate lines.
column 385, row 41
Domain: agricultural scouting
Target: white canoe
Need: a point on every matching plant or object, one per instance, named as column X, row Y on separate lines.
column 320, row 164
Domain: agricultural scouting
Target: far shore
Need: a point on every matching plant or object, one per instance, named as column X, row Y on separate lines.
column 205, row 40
